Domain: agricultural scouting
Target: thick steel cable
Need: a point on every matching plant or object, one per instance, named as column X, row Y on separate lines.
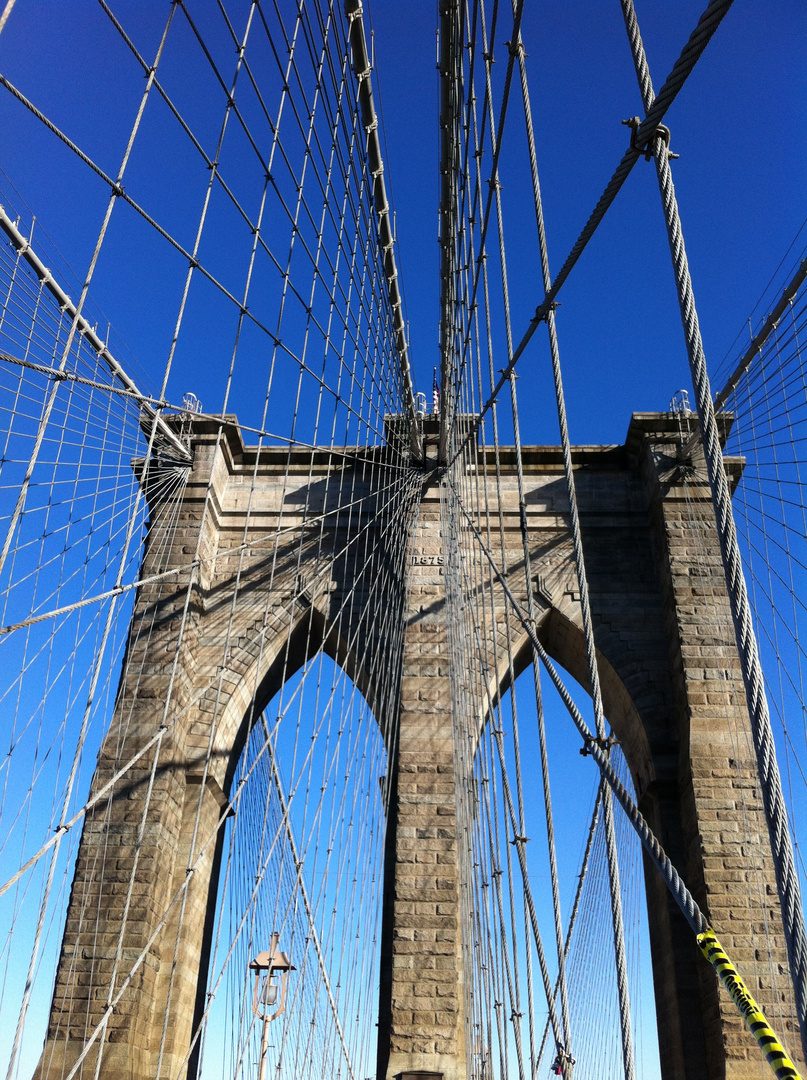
column 19, row 506
column 581, row 880
column 585, row 604
column 518, row 841
column 691, row 53
column 23, row 245
column 372, row 343
column 787, row 880
column 683, row 897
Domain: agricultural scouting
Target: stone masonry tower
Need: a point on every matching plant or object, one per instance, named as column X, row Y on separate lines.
column 672, row 692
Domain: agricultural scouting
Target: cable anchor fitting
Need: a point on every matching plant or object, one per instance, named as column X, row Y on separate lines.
column 661, row 132
column 604, row 744
column 563, row 1063
column 516, row 49
column 542, row 311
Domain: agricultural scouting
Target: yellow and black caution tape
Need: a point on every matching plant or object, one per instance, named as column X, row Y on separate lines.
column 754, row 1017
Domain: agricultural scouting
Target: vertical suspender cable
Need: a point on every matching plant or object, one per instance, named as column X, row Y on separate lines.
column 786, row 877
column 588, row 628
column 495, row 196
column 362, row 68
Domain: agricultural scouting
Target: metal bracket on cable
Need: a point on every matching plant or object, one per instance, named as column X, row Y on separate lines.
column 563, row 1063
column 516, row 49
column 661, row 131
column 604, row 744
column 542, row 311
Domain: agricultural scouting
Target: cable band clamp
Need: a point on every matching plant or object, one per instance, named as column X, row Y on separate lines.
column 563, row 1063
column 542, row 311
column 516, row 49
column 604, row 744
column 661, row 132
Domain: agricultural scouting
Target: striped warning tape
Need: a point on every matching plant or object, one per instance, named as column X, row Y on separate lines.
column 754, row 1017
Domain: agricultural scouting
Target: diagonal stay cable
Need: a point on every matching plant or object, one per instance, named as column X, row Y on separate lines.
column 787, row 880
column 298, row 868
column 681, row 893
column 162, row 731
column 23, row 245
column 707, row 942
column 119, row 192
column 643, row 136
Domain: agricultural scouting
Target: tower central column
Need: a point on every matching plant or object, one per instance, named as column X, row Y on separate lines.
column 421, row 1014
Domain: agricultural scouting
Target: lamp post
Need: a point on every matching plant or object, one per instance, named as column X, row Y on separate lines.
column 269, row 992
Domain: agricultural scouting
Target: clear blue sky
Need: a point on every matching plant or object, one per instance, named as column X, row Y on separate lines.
column 741, row 183
column 741, row 177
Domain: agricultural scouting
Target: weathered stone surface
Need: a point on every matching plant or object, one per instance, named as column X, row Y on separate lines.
column 672, row 691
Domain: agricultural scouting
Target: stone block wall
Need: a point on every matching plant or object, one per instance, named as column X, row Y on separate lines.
column 671, row 688
column 421, row 1014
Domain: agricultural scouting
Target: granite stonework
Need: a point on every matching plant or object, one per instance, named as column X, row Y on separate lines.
column 672, row 691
